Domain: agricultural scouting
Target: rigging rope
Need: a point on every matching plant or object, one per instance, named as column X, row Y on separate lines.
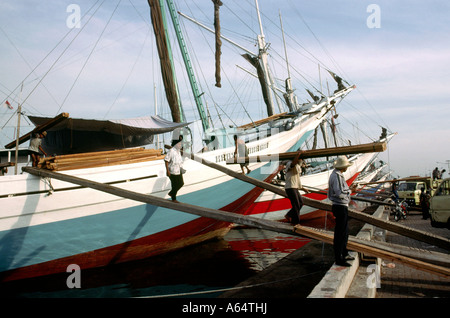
column 129, row 74
column 90, row 54
column 26, row 98
column 236, row 287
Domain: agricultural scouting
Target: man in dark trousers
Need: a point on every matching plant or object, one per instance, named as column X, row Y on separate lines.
column 425, row 203
column 339, row 195
column 174, row 167
column 292, row 187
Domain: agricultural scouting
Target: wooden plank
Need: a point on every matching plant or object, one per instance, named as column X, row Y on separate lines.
column 376, row 250
column 357, row 245
column 315, row 153
column 145, row 198
column 321, row 205
column 41, row 128
column 387, row 225
column 354, row 198
column 264, row 120
column 397, row 180
column 432, row 257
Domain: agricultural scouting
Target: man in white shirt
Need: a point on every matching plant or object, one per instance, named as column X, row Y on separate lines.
column 174, row 168
column 35, row 148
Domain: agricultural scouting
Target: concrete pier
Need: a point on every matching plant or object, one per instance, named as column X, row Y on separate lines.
column 310, row 272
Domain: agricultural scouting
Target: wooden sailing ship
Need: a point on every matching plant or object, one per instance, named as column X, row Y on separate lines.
column 47, row 224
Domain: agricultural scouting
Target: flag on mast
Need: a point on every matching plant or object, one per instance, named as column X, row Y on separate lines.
column 7, row 104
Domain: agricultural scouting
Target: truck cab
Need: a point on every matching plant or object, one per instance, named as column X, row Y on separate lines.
column 440, row 205
column 410, row 190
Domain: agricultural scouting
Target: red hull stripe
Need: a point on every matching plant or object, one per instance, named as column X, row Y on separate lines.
column 284, row 203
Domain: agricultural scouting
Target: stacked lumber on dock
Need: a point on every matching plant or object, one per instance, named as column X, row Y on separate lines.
column 99, row 159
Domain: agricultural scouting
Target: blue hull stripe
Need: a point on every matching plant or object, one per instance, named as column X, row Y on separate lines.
column 41, row 243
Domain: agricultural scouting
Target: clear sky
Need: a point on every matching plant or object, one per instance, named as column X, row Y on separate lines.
column 397, row 53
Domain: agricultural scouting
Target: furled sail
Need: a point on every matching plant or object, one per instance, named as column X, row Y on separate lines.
column 167, row 71
column 264, row 85
column 217, row 4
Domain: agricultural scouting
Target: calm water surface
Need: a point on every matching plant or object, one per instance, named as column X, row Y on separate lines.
column 205, row 270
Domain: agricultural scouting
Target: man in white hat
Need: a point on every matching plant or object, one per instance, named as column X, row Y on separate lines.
column 339, row 194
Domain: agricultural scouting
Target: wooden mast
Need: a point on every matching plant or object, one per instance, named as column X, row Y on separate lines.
column 167, row 70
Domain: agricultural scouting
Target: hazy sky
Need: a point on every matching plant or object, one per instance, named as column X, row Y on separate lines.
column 397, row 53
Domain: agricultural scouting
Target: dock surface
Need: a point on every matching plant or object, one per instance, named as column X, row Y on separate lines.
column 406, row 282
column 311, row 268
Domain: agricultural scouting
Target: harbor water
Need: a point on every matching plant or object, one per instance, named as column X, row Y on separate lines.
column 205, row 270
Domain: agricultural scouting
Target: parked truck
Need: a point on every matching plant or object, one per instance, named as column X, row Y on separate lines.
column 410, row 190
column 440, row 205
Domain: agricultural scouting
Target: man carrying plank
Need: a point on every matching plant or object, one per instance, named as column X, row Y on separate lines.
column 339, row 194
column 35, row 148
column 292, row 187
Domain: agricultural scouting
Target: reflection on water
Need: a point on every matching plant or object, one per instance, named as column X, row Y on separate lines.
column 204, row 270
column 263, row 248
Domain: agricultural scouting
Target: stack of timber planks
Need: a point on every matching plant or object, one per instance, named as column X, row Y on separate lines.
column 99, row 159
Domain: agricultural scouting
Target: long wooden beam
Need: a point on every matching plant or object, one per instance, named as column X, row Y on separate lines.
column 354, row 243
column 373, row 249
column 397, row 180
column 145, row 198
column 321, row 205
column 354, row 198
column 315, row 153
column 52, row 122
column 7, row 164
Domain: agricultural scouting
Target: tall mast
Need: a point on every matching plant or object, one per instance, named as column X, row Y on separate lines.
column 19, row 112
column 188, row 65
column 165, row 57
column 265, row 69
column 288, row 96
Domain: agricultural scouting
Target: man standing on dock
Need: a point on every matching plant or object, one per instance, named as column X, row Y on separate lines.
column 339, row 195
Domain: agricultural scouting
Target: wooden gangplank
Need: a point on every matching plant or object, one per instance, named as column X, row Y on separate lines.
column 354, row 243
